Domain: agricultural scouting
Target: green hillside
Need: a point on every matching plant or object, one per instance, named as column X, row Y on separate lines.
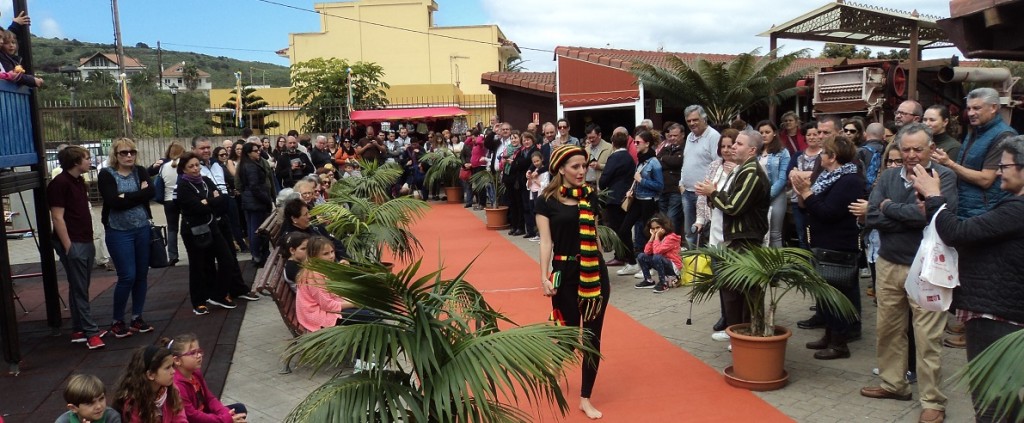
column 52, row 53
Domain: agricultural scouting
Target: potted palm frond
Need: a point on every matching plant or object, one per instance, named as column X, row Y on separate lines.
column 375, row 183
column 488, row 184
column 764, row 275
column 995, row 378
column 445, row 166
column 437, row 355
column 369, row 227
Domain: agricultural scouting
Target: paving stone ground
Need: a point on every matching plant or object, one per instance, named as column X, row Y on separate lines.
column 818, row 391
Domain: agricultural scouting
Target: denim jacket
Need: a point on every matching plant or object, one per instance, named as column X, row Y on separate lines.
column 652, row 179
column 776, row 167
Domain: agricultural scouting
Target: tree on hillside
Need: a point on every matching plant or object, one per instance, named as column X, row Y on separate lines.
column 320, row 89
column 252, row 114
column 848, row 51
column 190, row 75
column 893, row 54
column 725, row 89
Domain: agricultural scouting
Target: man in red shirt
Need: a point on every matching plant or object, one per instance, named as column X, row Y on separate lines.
column 72, row 228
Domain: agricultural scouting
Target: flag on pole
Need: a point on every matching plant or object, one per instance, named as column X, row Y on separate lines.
column 126, row 98
column 238, row 99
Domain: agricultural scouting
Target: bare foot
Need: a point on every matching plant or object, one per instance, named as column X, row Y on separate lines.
column 589, row 409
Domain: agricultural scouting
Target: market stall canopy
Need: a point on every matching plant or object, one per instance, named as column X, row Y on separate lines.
column 851, row 23
column 421, row 113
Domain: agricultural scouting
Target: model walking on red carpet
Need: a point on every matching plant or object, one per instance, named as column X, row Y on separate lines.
column 573, row 272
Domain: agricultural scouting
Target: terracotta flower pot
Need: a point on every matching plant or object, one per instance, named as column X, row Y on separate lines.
column 758, row 362
column 497, row 218
column 454, row 195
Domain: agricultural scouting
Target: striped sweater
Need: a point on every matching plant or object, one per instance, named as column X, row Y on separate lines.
column 744, row 204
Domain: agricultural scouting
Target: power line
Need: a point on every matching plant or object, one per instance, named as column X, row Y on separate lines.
column 219, row 48
column 398, row 27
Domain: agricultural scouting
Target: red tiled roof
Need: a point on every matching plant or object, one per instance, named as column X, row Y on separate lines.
column 539, row 81
column 129, row 62
column 624, row 59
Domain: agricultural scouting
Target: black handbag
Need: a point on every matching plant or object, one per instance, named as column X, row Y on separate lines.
column 158, row 247
column 202, row 235
column 838, row 268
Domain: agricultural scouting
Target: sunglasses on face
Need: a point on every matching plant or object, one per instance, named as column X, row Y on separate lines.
column 563, row 127
column 222, row 155
column 126, row 153
column 849, row 130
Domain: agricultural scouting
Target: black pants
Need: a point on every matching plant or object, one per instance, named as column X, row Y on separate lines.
column 213, row 272
column 613, row 217
column 733, row 302
column 980, row 334
column 640, row 211
column 566, row 301
column 515, row 207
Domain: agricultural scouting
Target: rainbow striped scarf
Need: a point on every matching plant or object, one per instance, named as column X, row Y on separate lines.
column 589, row 289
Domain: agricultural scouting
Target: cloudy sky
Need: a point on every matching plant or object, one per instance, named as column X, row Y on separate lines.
column 254, row 29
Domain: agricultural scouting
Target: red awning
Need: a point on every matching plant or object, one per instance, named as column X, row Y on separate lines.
column 422, row 113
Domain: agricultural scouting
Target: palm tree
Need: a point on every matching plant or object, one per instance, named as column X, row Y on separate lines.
column 765, row 275
column 375, row 183
column 438, row 353
column 995, row 377
column 444, row 167
column 725, row 89
column 368, row 227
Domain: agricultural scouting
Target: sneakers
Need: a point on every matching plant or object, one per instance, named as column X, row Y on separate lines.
column 79, row 337
column 250, row 296
column 644, row 284
column 120, row 330
column 535, row 238
column 720, row 336
column 139, row 325
column 201, row 310
column 628, row 269
column 223, row 303
column 638, row 275
column 661, row 287
column 95, row 342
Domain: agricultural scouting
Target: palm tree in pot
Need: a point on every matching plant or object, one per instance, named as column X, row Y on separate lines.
column 488, row 184
column 445, row 166
column 437, row 355
column 369, row 227
column 764, row 275
column 375, row 183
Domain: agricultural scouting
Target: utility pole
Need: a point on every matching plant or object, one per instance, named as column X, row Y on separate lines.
column 120, row 64
column 160, row 64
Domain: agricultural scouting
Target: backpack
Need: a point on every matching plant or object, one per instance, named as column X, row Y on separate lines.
column 872, row 166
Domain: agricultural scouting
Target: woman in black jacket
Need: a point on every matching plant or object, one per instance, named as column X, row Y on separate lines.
column 521, row 163
column 208, row 282
column 255, row 194
column 833, row 232
column 126, row 192
column 617, row 178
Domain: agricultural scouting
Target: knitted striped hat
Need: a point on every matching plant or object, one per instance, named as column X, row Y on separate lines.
column 562, row 153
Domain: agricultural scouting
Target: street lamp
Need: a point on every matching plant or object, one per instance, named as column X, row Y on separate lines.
column 174, row 95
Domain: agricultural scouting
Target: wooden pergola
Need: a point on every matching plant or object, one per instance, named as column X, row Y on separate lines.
column 845, row 22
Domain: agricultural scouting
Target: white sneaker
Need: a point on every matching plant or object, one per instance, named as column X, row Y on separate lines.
column 628, row 269
column 720, row 336
column 874, row 371
column 638, row 275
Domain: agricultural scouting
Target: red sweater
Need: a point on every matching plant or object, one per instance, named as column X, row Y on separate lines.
column 201, row 406
column 668, row 247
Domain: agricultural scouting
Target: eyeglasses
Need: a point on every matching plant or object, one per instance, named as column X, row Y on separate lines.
column 902, row 113
column 563, row 127
column 197, row 351
column 222, row 155
column 1003, row 167
column 126, row 153
column 850, row 131
column 893, row 161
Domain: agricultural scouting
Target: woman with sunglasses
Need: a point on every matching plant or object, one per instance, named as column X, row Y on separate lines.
column 223, row 157
column 853, row 129
column 126, row 193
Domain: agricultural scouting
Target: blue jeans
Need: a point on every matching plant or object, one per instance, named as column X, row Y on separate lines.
column 689, row 217
column 656, row 262
column 129, row 250
column 800, row 221
column 467, row 193
column 670, row 204
column 173, row 224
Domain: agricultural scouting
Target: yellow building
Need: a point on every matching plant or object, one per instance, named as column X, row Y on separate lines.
column 423, row 63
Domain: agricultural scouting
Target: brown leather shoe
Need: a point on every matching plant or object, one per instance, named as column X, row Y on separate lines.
column 929, row 415
column 955, row 329
column 819, row 344
column 878, row 392
column 832, row 354
column 955, row 342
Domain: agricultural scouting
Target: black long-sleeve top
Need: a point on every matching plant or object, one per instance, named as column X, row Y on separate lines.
column 189, row 201
column 112, row 199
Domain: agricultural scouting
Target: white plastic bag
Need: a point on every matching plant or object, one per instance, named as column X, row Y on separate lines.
column 933, row 274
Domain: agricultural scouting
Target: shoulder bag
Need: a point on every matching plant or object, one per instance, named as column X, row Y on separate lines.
column 158, row 247
column 838, row 268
